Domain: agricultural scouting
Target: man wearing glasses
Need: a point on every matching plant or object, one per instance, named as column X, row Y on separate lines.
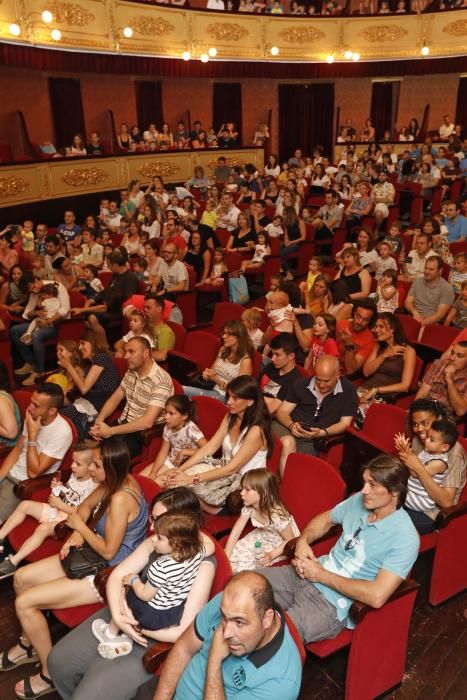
column 375, row 552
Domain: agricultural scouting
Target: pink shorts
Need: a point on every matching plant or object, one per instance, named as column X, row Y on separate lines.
column 52, row 515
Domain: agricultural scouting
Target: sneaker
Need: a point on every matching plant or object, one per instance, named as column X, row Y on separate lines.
column 26, row 339
column 121, row 646
column 7, row 568
column 27, row 368
column 31, row 380
column 100, row 629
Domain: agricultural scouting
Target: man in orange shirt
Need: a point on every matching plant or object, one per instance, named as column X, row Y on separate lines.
column 356, row 341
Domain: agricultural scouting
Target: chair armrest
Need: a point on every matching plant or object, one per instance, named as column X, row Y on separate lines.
column 101, row 579
column 156, row 655
column 25, row 489
column 359, row 610
column 289, row 549
column 445, row 516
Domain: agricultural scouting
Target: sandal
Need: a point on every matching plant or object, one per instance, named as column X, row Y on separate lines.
column 7, row 664
column 29, row 694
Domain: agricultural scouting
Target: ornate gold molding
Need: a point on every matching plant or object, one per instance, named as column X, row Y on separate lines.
column 163, row 168
column 77, row 177
column 70, row 13
column 151, row 26
column 231, row 162
column 223, row 31
column 11, row 186
column 458, row 28
column 300, row 35
column 383, row 32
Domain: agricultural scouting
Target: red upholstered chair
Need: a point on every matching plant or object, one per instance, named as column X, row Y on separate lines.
column 186, row 301
column 224, row 311
column 378, row 645
column 438, row 337
column 210, row 413
column 405, row 400
column 382, row 422
column 223, row 236
column 180, row 334
column 71, row 617
column 156, row 654
column 310, row 486
column 411, row 327
column 121, row 365
column 199, row 351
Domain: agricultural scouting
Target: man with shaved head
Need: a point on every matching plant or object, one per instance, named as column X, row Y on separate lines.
column 238, row 645
column 315, row 409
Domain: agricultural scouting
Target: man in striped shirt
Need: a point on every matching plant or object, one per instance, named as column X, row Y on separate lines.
column 145, row 388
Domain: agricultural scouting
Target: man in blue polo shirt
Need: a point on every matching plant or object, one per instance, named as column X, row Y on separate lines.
column 455, row 223
column 375, row 552
column 239, row 645
column 69, row 229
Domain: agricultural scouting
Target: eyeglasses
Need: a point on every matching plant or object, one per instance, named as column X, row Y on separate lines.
column 350, row 544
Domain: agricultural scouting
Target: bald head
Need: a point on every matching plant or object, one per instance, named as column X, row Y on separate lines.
column 326, row 373
column 278, row 300
column 251, row 585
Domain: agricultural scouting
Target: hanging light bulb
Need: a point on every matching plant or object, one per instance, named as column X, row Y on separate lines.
column 14, row 29
column 204, row 58
column 212, row 52
column 355, row 56
column 127, row 32
column 56, row 34
column 274, row 51
column 186, row 55
column 348, row 55
column 47, row 16
column 330, row 58
column 425, row 50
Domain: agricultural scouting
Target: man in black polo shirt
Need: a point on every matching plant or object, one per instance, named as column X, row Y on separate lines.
column 315, row 409
column 275, row 377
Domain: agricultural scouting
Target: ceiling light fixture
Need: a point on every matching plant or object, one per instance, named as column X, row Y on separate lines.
column 204, row 58
column 348, row 55
column 330, row 58
column 47, row 16
column 14, row 29
column 274, row 51
column 56, row 34
column 212, row 52
column 127, row 32
column 186, row 55
column 355, row 56
column 425, row 50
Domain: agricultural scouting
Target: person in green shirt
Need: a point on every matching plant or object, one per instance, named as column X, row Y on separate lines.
column 163, row 334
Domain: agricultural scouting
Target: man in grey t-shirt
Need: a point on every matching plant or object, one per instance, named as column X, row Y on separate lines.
column 430, row 297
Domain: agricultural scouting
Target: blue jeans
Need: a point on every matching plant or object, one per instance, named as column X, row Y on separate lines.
column 287, row 250
column 35, row 353
column 194, row 391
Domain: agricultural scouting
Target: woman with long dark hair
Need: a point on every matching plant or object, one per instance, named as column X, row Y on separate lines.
column 234, row 359
column 15, row 292
column 246, row 441
column 118, row 519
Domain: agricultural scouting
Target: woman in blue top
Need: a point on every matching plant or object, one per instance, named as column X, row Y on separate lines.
column 100, row 380
column 121, row 512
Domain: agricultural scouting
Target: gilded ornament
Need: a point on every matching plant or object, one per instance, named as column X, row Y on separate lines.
column 458, row 28
column 160, row 169
column 301, row 35
column 383, row 32
column 82, row 177
column 70, row 13
column 151, row 26
column 223, row 31
column 11, row 186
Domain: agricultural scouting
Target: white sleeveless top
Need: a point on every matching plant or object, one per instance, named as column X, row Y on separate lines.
column 258, row 461
column 226, row 371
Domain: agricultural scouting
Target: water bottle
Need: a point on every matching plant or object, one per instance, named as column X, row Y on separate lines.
column 258, row 553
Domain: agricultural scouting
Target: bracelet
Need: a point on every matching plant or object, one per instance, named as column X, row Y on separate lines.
column 31, row 442
column 326, row 434
column 196, row 479
column 133, row 579
column 290, row 424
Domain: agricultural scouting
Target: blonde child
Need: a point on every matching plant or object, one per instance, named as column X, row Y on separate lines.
column 181, row 438
column 139, row 326
column 27, row 236
column 49, row 303
column 458, row 273
column 209, row 217
column 262, row 250
column 387, row 292
column 218, row 269
column 251, row 319
column 275, row 229
column 63, row 500
column 457, row 314
column 272, row 522
column 159, row 602
column 314, row 269
column 395, row 239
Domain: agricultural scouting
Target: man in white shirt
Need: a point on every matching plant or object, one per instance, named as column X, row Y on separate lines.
column 113, row 218
column 228, row 213
column 413, row 264
column 151, row 134
column 215, row 5
column 446, row 128
column 173, row 272
column 41, row 448
column 93, row 253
